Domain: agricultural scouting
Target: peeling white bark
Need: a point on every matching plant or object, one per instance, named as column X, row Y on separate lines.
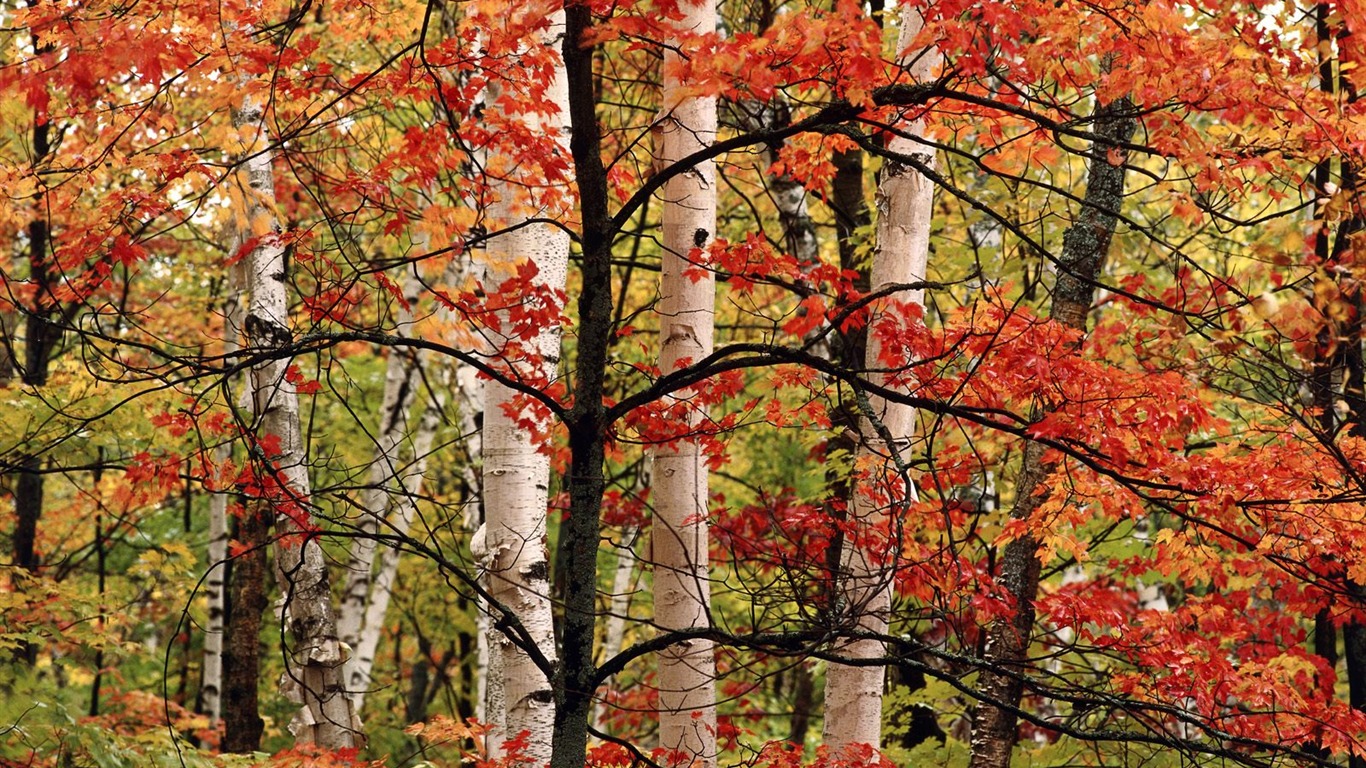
column 211, row 696
column 853, row 694
column 679, row 530
column 314, row 657
column 516, row 472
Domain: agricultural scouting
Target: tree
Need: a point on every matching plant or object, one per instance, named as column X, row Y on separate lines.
column 853, row 692
column 1083, row 256
column 678, row 530
column 314, row 666
column 216, row 580
column 382, row 145
column 516, row 480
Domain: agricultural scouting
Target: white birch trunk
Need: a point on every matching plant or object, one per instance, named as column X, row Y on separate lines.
column 314, row 659
column 679, row 534
column 853, row 694
column 516, row 473
column 211, row 696
column 401, row 373
column 619, row 607
column 385, row 472
column 516, row 495
column 377, row 603
column 495, row 703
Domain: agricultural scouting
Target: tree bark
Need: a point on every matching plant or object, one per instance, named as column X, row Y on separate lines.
column 803, row 699
column 1085, row 246
column 576, row 675
column 516, row 476
column 1354, row 651
column 211, row 688
column 371, row 625
column 314, row 662
column 42, row 334
column 853, row 692
column 679, row 529
column 242, row 723
column 401, row 373
column 849, row 205
column 788, row 194
column 388, row 484
column 488, row 683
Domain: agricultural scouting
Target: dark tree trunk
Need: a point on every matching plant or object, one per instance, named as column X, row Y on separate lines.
column 575, row 678
column 101, row 561
column 1339, row 349
column 415, row 707
column 1354, row 393
column 1083, row 252
column 918, row 720
column 1354, row 648
column 803, row 699
column 41, row 335
column 850, row 206
column 1325, row 638
column 247, row 602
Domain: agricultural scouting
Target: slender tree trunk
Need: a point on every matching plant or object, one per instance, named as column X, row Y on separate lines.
column 788, row 194
column 1084, row 249
column 242, row 723
column 1327, row 349
column 516, row 476
column 386, row 470
column 313, row 675
column 1354, row 651
column 853, row 692
column 401, row 375
column 488, row 671
column 516, row 488
column 1343, row 345
column 101, row 564
column 576, row 677
column 1354, row 393
column 849, row 205
column 41, row 337
column 619, row 606
column 679, row 535
column 211, row 688
column 803, row 700
column 377, row 605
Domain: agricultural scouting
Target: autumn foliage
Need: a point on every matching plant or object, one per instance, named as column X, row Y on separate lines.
column 1199, row 529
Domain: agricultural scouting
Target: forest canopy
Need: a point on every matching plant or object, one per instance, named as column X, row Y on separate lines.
column 682, row 383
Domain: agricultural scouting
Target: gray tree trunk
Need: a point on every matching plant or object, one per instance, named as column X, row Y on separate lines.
column 1084, row 249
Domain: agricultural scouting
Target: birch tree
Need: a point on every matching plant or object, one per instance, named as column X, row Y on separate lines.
column 853, row 692
column 211, row 688
column 393, row 476
column 372, row 619
column 682, row 592
column 516, row 471
column 314, row 658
